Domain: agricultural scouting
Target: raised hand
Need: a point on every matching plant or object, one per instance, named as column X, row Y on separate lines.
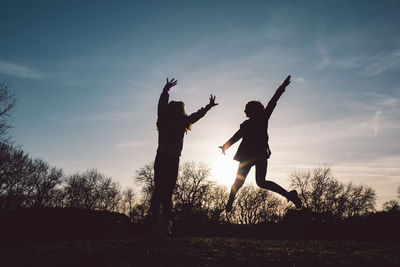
column 286, row 82
column 212, row 101
column 170, row 84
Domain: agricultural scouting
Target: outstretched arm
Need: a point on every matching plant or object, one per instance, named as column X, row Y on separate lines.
column 231, row 141
column 201, row 112
column 272, row 103
column 164, row 97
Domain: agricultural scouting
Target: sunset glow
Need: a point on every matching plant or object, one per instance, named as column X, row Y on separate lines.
column 223, row 170
column 87, row 78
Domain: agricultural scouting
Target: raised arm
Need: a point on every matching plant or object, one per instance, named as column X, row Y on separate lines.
column 164, row 97
column 272, row 103
column 201, row 112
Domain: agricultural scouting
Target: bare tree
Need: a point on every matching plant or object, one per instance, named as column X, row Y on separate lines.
column 255, row 205
column 91, row 190
column 214, row 203
column 145, row 178
column 321, row 192
column 398, row 192
column 391, row 206
column 15, row 167
column 127, row 203
column 193, row 194
column 43, row 182
column 361, row 200
column 192, row 187
column 110, row 195
column 59, row 196
column 197, row 197
column 25, row 182
column 7, row 103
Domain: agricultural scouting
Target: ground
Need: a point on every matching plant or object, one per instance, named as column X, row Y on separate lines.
column 200, row 251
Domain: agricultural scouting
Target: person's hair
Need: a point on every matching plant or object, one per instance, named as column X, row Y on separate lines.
column 176, row 112
column 253, row 108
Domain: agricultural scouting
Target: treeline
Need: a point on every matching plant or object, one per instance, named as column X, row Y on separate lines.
column 33, row 183
column 197, row 198
column 40, row 202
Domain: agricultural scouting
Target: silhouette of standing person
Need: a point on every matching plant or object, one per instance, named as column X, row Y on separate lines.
column 254, row 149
column 172, row 124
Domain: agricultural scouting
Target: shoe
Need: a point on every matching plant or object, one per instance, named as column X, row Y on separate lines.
column 293, row 196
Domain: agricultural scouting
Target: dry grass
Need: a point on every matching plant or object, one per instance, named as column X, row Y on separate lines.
column 192, row 251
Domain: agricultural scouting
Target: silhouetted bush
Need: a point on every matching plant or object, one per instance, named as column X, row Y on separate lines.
column 62, row 224
column 304, row 224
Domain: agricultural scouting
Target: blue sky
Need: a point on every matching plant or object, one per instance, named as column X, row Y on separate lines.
column 88, row 74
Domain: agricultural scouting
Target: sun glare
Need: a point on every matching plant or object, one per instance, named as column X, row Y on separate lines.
column 223, row 170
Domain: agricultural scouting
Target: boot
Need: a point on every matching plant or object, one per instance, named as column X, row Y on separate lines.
column 293, row 196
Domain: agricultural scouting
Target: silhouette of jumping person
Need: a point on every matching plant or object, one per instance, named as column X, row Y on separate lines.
column 254, row 148
column 172, row 124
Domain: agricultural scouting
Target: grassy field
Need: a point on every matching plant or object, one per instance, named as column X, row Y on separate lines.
column 192, row 251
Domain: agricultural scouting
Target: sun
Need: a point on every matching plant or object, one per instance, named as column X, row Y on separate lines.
column 223, row 170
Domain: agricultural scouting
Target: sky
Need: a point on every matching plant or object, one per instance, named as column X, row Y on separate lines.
column 88, row 74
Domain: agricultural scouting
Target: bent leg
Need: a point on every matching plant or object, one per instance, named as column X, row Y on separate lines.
column 261, row 172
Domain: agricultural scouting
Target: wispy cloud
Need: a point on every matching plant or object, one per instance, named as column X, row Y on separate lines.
column 370, row 65
column 21, row 71
column 332, row 131
column 382, row 62
column 324, row 53
column 370, row 133
column 374, row 122
column 373, row 64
